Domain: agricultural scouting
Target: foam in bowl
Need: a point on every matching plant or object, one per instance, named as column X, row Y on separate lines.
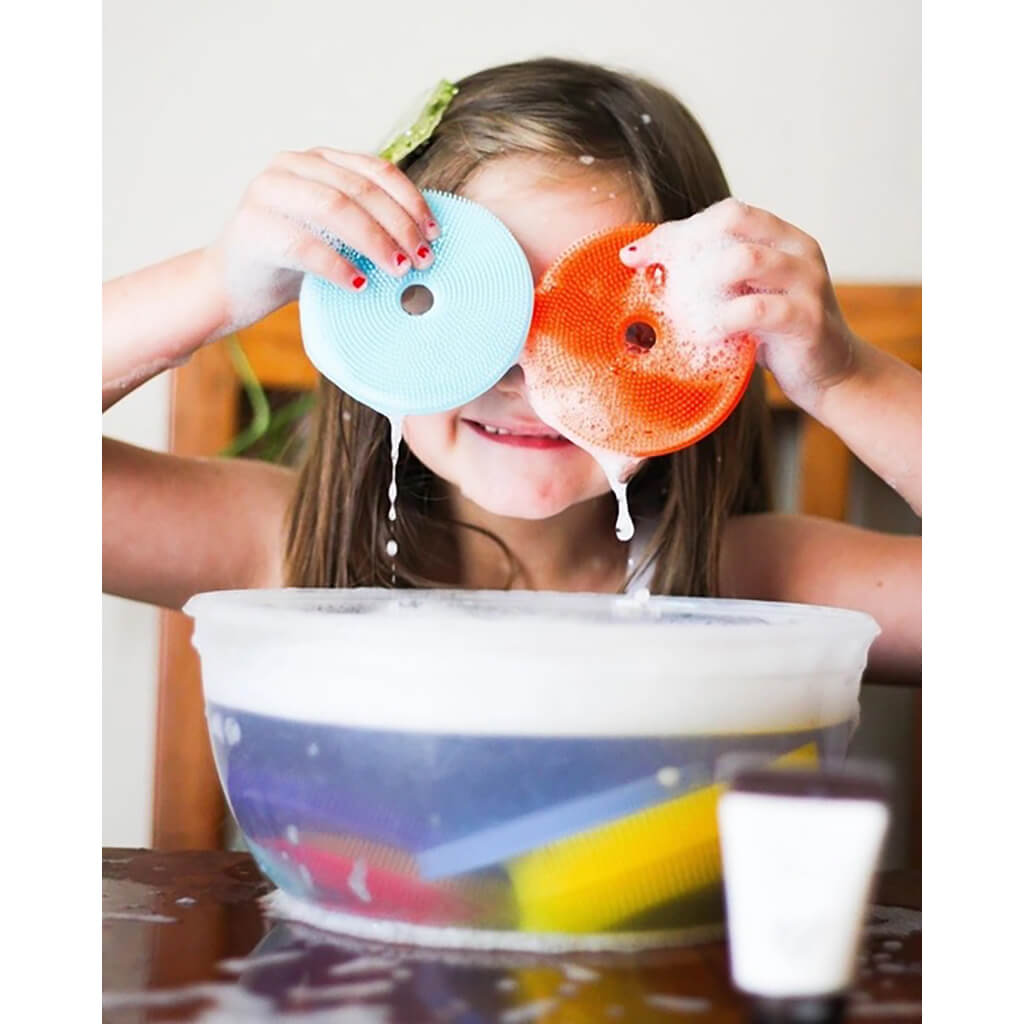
column 556, row 664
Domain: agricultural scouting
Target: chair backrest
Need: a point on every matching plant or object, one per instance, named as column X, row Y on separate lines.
column 188, row 810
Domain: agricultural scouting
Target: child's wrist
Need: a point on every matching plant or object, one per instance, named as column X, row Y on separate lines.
column 853, row 377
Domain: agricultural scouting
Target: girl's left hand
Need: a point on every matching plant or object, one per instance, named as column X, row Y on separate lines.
column 735, row 269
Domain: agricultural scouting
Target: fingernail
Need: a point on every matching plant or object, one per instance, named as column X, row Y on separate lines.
column 423, row 252
column 401, row 258
column 358, row 282
column 432, row 229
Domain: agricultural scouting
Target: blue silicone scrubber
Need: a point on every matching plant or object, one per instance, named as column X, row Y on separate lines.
column 401, row 364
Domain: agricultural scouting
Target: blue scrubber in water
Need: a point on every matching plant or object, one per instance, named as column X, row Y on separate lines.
column 402, row 363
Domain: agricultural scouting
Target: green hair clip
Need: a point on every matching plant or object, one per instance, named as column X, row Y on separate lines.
column 423, row 127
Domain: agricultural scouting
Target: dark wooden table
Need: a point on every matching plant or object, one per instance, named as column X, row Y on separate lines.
column 185, row 938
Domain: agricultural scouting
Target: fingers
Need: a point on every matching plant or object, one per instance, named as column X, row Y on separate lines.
column 344, row 205
column 718, row 227
column 751, row 265
column 391, row 180
column 333, row 214
column 300, row 249
column 766, row 314
column 739, row 220
column 387, row 196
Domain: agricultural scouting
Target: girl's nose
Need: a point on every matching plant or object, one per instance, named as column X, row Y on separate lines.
column 513, row 383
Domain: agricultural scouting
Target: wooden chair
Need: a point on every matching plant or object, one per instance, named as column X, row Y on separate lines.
column 188, row 810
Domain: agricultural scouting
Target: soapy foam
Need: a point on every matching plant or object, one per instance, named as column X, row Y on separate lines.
column 698, row 675
column 396, row 443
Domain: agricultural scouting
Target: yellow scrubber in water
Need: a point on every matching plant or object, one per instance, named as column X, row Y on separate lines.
column 602, row 876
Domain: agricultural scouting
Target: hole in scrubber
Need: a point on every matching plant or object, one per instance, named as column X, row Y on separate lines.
column 417, row 300
column 640, row 336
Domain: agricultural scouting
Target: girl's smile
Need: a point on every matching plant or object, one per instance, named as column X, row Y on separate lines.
column 521, row 435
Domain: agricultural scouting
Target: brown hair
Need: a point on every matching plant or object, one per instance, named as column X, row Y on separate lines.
column 338, row 524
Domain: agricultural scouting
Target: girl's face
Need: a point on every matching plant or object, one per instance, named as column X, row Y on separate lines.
column 495, row 450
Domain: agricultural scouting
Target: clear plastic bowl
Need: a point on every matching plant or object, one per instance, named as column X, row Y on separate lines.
column 509, row 769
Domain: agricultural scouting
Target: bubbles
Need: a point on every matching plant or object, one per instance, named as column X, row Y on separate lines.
column 313, row 750
column 646, row 118
column 357, row 881
column 232, row 732
column 215, row 720
column 291, row 833
column 391, row 548
column 587, row 159
column 669, row 776
column 574, row 972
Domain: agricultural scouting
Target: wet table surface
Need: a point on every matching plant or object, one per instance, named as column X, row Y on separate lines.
column 186, row 938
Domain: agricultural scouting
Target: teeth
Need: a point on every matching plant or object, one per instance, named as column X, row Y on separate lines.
column 501, row 430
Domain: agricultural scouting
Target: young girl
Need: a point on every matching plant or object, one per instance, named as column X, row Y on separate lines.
column 557, row 150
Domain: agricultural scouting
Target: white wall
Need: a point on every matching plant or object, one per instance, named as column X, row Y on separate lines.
column 814, row 109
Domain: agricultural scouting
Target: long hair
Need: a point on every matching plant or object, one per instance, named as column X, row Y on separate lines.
column 338, row 526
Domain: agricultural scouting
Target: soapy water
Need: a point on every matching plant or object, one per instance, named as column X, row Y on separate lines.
column 423, row 837
column 396, row 443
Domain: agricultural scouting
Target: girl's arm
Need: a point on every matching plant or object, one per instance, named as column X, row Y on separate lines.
column 156, row 318
column 749, row 272
column 876, row 410
column 174, row 526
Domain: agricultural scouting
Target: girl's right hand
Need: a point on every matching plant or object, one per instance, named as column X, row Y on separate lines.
column 291, row 212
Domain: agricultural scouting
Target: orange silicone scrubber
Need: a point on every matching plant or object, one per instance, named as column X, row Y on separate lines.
column 608, row 365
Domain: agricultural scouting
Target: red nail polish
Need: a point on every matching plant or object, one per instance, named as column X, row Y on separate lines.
column 431, row 225
column 631, row 248
column 423, row 252
column 358, row 282
column 400, row 258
